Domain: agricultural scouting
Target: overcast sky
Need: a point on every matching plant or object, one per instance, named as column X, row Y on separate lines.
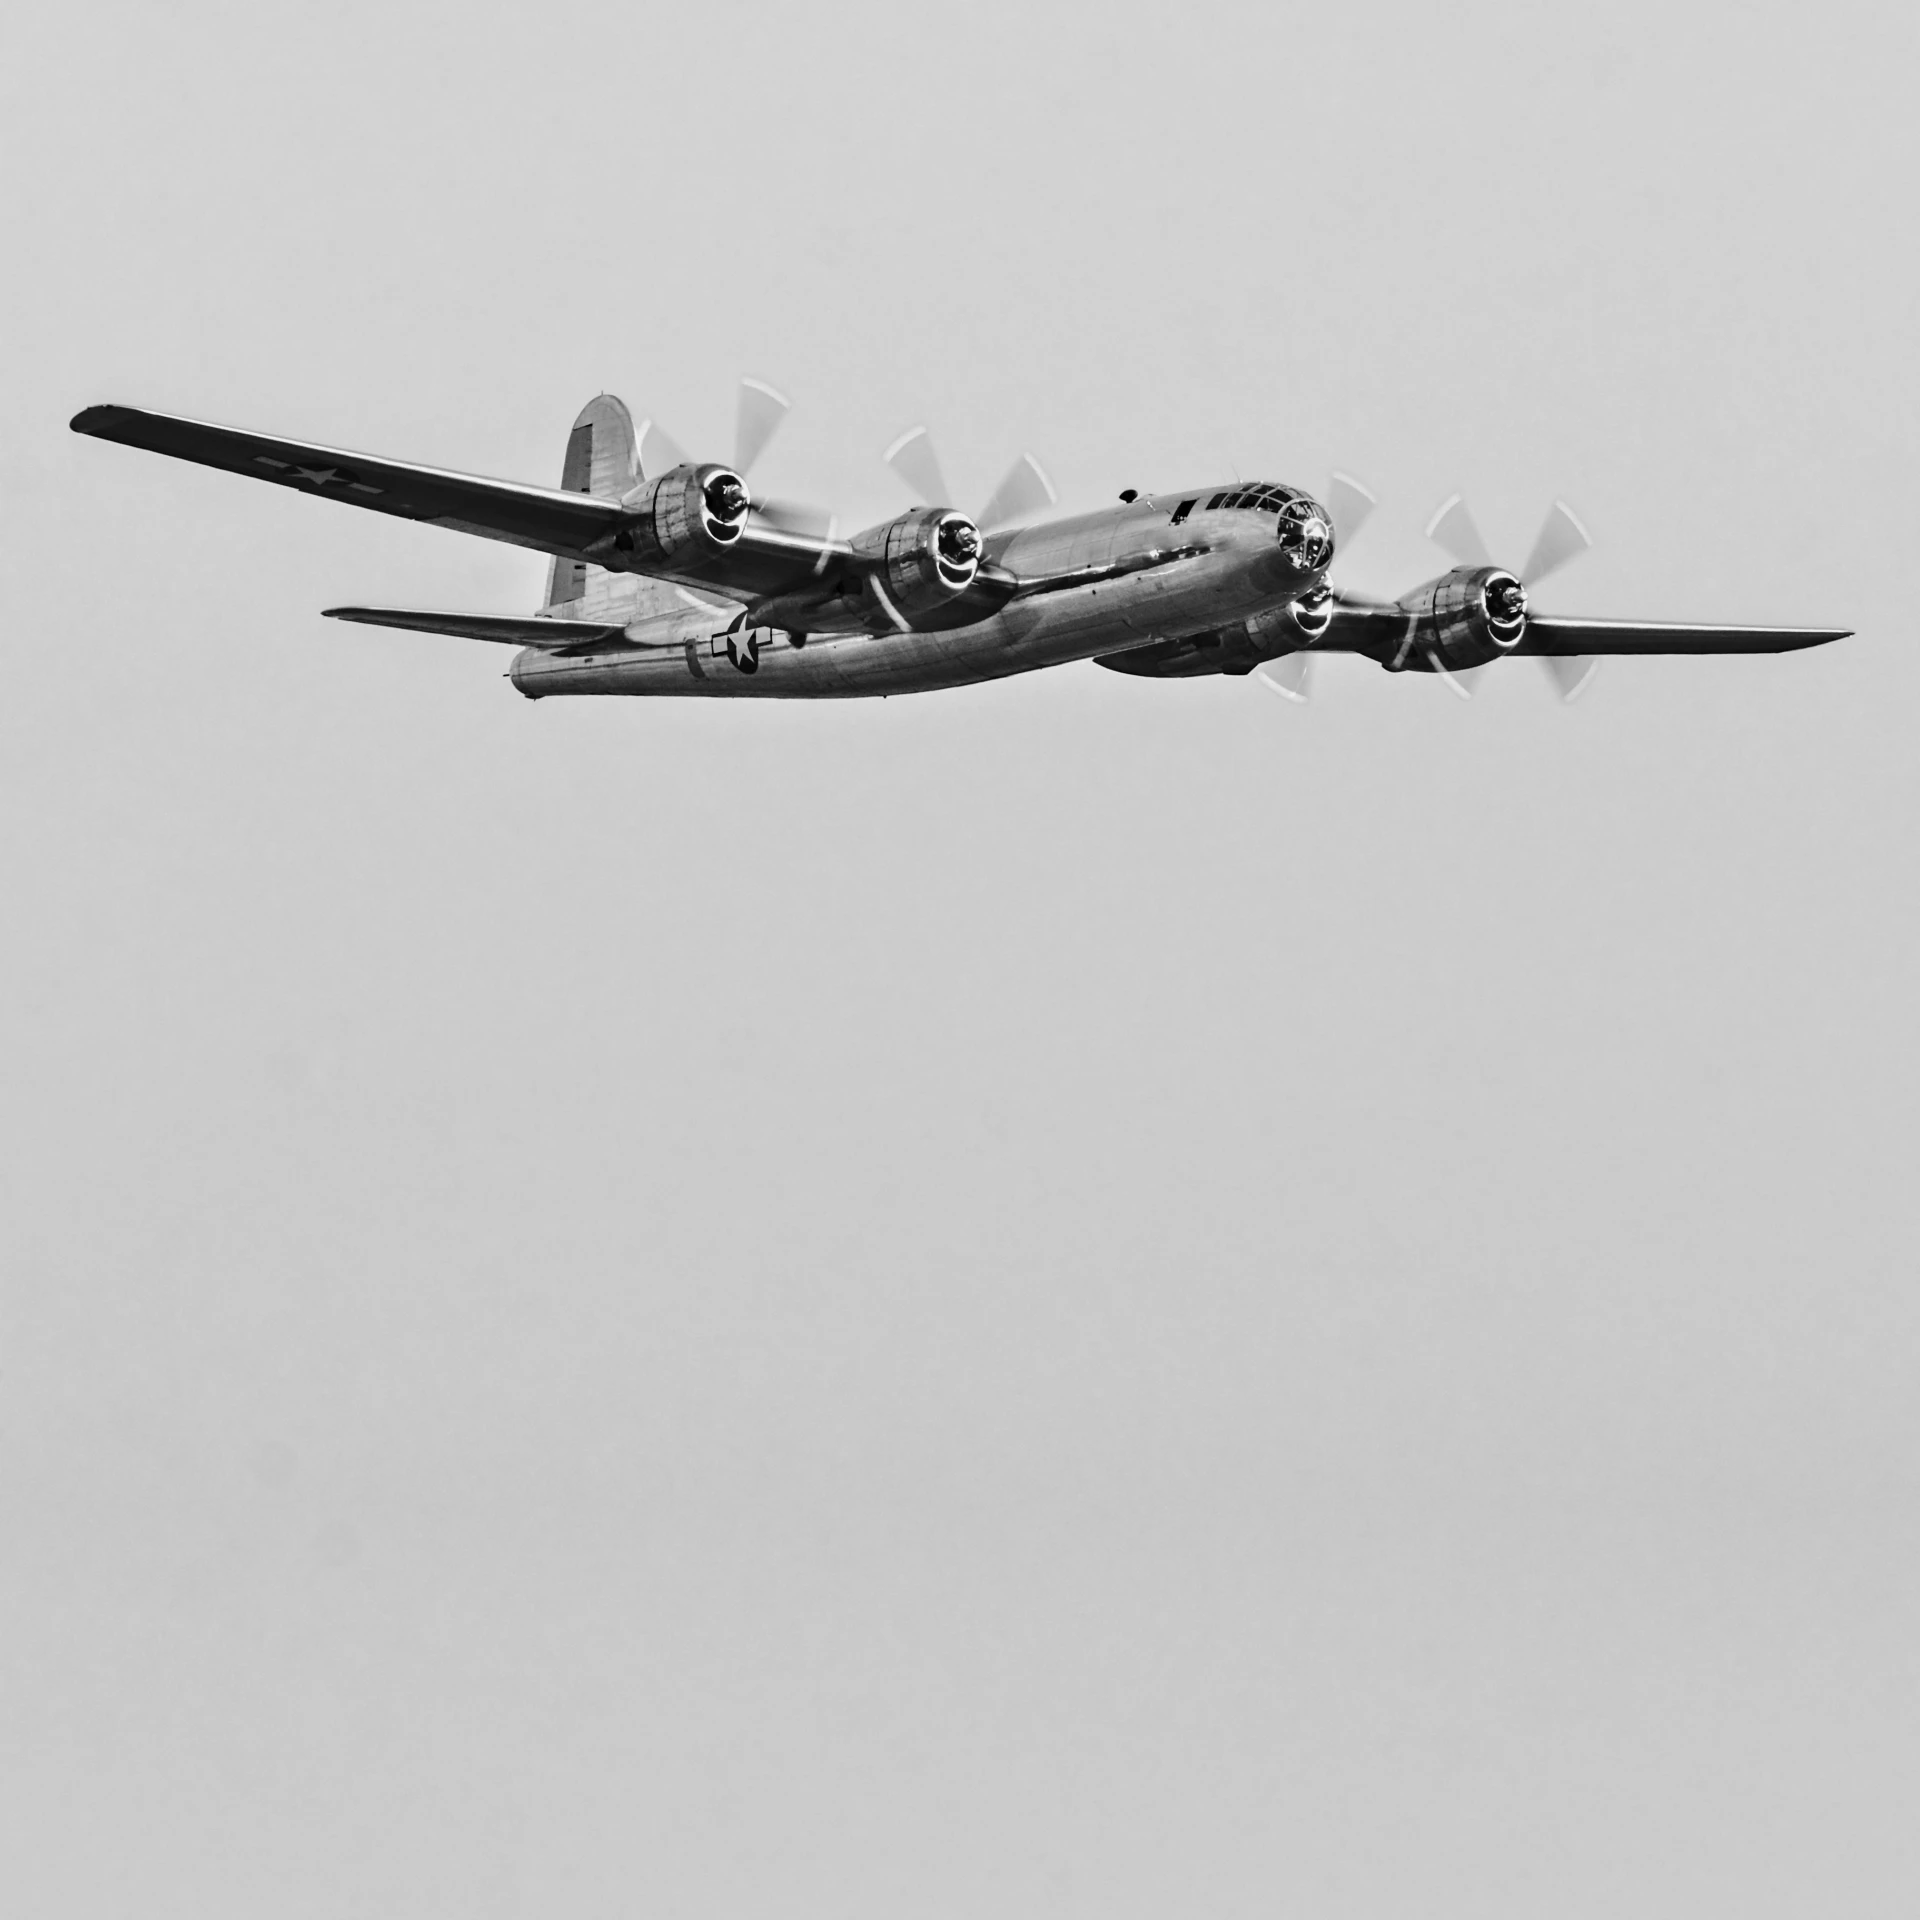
column 1075, row 1298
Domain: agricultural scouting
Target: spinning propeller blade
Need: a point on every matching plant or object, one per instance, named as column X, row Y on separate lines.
column 1452, row 527
column 658, row 451
column 1290, row 676
column 1561, row 538
column 1025, row 491
column 1348, row 504
column 1571, row 672
column 762, row 408
column 912, row 457
column 796, row 516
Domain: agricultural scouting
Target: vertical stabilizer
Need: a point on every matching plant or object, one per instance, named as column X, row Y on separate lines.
column 602, row 459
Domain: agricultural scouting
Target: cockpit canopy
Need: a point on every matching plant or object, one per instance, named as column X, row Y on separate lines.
column 1302, row 525
column 1261, row 497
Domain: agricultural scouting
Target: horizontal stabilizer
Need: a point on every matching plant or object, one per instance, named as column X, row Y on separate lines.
column 552, row 635
column 1549, row 635
column 545, row 518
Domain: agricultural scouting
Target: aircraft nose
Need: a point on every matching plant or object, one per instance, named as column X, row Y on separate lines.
column 1306, row 533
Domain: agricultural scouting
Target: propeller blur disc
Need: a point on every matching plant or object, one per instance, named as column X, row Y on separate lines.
column 1025, row 491
column 1571, row 673
column 912, row 457
column 1457, row 681
column 762, row 408
column 795, row 516
column 1288, row 676
column 1562, row 538
column 658, row 451
column 1453, row 528
column 1348, row 504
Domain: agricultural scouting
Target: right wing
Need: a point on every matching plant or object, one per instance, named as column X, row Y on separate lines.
column 1550, row 635
column 1383, row 632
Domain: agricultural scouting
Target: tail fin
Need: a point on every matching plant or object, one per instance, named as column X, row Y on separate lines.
column 603, row 459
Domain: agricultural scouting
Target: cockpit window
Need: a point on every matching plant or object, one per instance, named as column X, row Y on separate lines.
column 1262, row 499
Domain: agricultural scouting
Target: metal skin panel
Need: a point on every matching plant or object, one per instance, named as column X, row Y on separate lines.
column 1106, row 581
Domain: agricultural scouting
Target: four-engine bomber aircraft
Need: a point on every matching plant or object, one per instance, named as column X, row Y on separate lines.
column 670, row 577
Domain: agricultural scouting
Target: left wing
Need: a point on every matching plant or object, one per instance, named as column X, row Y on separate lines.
column 543, row 518
column 773, row 553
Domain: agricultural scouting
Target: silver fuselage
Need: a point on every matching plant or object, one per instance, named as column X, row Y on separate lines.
column 1151, row 579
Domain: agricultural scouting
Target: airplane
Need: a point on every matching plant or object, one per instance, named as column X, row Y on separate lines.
column 670, row 576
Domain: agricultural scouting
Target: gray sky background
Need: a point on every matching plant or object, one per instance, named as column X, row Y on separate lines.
column 1076, row 1298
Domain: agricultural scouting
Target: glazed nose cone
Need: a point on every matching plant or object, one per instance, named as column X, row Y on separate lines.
column 1305, row 532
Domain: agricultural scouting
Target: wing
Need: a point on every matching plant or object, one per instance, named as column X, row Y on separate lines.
column 1549, row 635
column 543, row 518
column 554, row 635
column 772, row 554
column 1382, row 632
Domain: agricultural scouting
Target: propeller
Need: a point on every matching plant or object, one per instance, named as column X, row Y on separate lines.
column 757, row 418
column 1561, row 538
column 1348, row 503
column 1023, row 491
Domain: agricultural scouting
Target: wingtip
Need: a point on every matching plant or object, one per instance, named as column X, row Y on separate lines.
column 92, row 419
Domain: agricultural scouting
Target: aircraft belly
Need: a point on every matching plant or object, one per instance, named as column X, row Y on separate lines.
column 1052, row 631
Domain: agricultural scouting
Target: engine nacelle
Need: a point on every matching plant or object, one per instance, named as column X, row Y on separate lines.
column 672, row 524
column 1466, row 617
column 1292, row 624
column 922, row 560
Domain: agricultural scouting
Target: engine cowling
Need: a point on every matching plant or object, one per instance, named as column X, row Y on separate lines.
column 1291, row 624
column 673, row 523
column 922, row 560
column 1466, row 618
